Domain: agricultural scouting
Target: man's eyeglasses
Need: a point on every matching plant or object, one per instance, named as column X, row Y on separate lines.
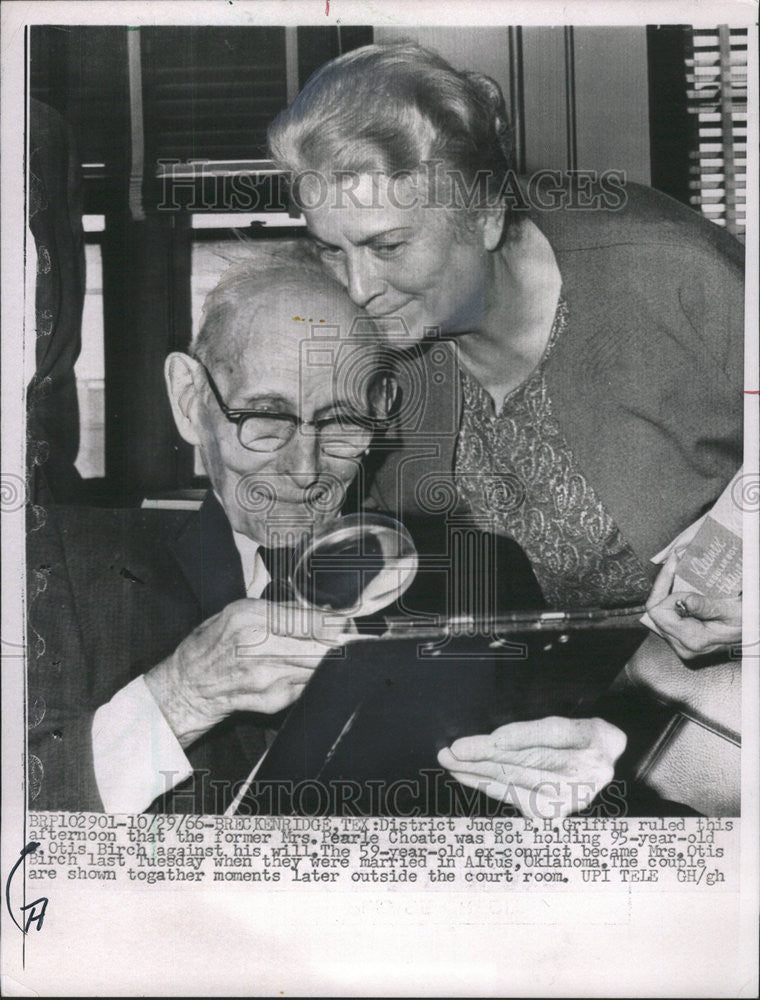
column 342, row 435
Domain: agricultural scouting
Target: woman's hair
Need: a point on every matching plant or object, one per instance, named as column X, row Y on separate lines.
column 396, row 109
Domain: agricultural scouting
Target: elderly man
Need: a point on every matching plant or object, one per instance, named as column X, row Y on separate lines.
column 157, row 653
column 153, row 632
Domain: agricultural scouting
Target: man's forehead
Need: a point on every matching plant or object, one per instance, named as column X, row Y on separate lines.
column 297, row 364
column 289, row 315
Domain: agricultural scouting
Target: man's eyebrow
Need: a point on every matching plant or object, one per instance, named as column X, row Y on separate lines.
column 280, row 404
column 265, row 401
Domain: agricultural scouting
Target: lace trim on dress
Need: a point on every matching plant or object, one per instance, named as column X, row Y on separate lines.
column 516, row 473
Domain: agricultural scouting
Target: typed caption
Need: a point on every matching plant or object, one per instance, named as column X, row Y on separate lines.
column 429, row 853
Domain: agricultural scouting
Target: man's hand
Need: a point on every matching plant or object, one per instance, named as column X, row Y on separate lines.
column 240, row 660
column 709, row 624
column 547, row 768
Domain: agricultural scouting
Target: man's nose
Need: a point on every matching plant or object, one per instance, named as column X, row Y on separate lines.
column 363, row 282
column 303, row 457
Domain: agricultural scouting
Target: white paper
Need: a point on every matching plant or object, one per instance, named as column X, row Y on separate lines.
column 348, row 938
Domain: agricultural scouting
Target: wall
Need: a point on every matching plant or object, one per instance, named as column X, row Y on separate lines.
column 582, row 95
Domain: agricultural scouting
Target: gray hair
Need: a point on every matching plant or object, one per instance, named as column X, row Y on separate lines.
column 393, row 108
column 363, row 363
column 261, row 266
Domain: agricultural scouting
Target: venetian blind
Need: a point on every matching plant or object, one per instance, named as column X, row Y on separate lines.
column 716, row 76
column 207, row 96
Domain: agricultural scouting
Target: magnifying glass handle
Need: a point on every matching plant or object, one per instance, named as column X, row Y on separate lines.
column 342, row 632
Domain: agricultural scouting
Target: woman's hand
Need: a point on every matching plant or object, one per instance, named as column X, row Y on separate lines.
column 694, row 625
column 547, row 768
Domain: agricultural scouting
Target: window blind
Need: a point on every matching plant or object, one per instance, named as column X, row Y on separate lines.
column 209, row 95
column 716, row 79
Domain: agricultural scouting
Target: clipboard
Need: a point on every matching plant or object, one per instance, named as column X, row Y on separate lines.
column 363, row 738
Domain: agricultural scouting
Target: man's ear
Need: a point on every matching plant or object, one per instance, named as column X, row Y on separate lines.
column 180, row 372
column 492, row 226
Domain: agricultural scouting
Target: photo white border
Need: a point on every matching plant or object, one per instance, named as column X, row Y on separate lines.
column 105, row 942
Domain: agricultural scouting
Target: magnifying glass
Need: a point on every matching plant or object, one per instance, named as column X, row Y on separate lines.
column 354, row 565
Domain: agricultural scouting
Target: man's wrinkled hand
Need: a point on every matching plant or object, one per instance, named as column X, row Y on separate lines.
column 253, row 657
column 547, row 768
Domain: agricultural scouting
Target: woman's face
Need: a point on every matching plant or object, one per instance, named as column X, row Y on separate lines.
column 398, row 256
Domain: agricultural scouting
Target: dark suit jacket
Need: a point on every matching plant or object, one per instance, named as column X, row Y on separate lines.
column 113, row 592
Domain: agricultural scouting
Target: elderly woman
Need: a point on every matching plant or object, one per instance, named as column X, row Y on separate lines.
column 598, row 340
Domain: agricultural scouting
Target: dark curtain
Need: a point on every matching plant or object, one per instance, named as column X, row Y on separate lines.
column 55, row 221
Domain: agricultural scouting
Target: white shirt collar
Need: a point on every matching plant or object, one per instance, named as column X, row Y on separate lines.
column 255, row 574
